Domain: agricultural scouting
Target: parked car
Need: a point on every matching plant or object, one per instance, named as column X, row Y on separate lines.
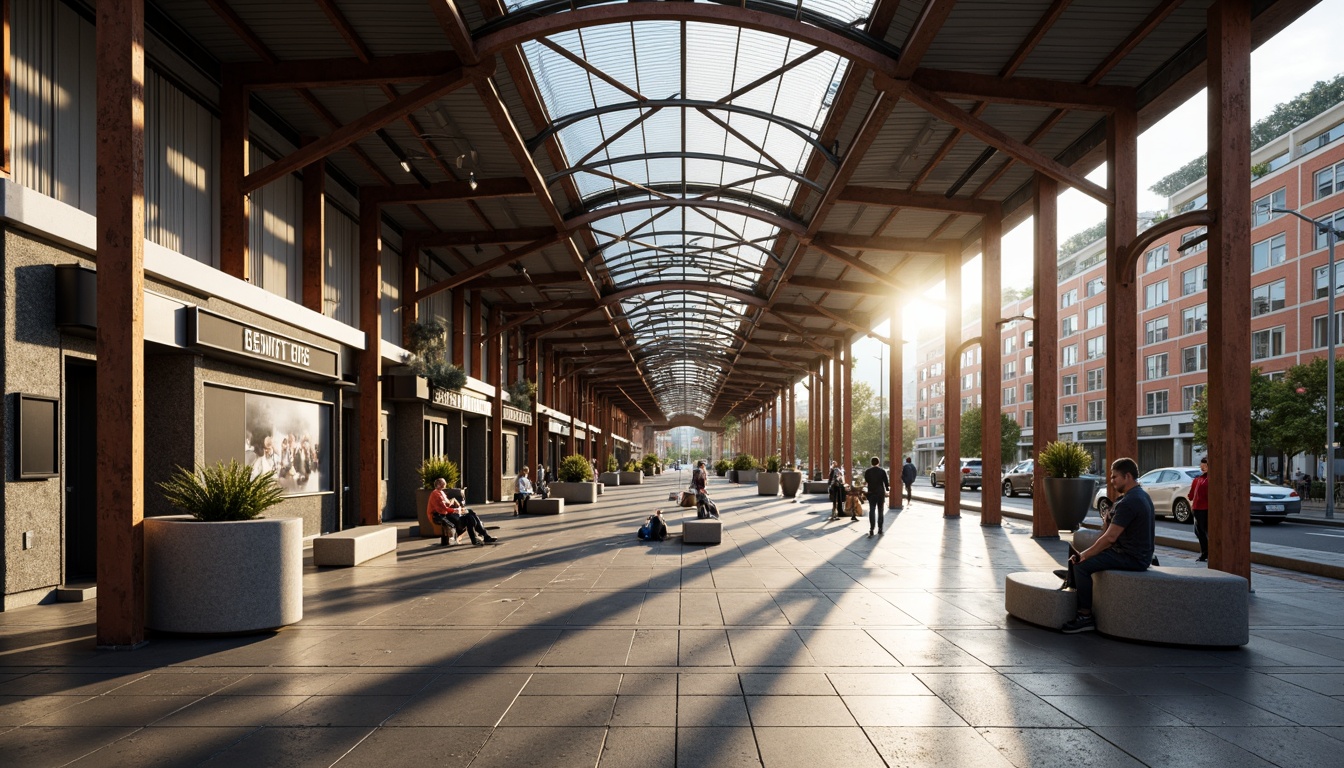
column 970, row 474
column 1018, row 479
column 1169, row 488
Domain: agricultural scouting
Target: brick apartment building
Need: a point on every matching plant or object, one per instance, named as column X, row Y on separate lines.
column 1302, row 170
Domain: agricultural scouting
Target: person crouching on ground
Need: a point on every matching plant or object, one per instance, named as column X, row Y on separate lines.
column 1125, row 545
column 522, row 490
column 879, row 487
column 449, row 514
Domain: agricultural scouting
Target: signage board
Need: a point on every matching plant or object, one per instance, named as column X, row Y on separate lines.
column 458, row 401
column 260, row 346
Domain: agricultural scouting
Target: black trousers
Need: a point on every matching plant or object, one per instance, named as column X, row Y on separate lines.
column 1202, row 530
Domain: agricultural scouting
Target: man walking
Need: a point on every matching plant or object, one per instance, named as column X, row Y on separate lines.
column 878, row 487
column 1126, row 544
column 908, row 475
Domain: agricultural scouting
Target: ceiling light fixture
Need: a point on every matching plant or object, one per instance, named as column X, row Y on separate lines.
column 471, row 181
column 405, row 165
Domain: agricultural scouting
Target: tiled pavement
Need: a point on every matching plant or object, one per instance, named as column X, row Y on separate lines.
column 797, row 642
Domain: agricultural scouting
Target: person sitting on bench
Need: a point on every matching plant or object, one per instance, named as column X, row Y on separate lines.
column 705, row 507
column 522, row 491
column 449, row 514
column 1125, row 545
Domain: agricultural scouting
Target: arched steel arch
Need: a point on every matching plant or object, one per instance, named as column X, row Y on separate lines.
column 784, row 19
column 750, row 299
column 590, row 214
column 768, row 170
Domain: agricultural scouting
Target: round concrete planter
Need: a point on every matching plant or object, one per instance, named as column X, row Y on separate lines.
column 574, row 493
column 632, row 478
column 610, row 478
column 767, row 484
column 223, row 577
column 428, row 529
column 790, row 482
column 747, row 475
column 1069, row 499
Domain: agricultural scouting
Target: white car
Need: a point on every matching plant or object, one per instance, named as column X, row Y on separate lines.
column 1169, row 489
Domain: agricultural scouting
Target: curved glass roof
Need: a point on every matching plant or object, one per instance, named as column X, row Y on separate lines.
column 696, row 137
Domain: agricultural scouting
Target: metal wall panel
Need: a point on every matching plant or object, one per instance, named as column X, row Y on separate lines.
column 340, row 293
column 390, row 302
column 181, row 172
column 275, row 221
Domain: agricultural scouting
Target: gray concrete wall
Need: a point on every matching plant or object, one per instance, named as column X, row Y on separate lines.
column 409, row 431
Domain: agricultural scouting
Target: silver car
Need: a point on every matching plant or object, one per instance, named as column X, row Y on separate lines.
column 970, row 474
column 1169, row 489
column 1019, row 479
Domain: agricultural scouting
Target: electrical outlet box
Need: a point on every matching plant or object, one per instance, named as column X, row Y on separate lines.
column 27, row 539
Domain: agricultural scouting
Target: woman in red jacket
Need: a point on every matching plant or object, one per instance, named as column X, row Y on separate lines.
column 1199, row 506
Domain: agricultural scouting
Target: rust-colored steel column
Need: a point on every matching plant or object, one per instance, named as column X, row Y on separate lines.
column 369, row 411
column 120, row 415
column 847, row 434
column 1229, row 283
column 410, row 283
column 813, row 386
column 532, row 372
column 474, row 341
column 824, row 444
column 895, row 407
column 952, row 389
column 314, row 235
column 791, row 443
column 838, row 395
column 991, row 351
column 572, row 407
column 233, row 204
column 494, row 376
column 1122, row 301
column 458, row 337
column 1045, row 352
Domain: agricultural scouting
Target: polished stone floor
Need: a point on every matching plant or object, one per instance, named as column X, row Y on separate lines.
column 797, row 642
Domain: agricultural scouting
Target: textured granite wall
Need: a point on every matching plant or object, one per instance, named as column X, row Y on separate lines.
column 407, row 440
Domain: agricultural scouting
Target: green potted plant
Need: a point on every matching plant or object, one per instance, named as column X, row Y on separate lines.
column 425, row 361
column 222, row 568
column 611, row 471
column 745, row 466
column 1068, row 494
column 790, row 481
column 767, row 482
column 632, row 475
column 431, row 469
column 650, row 464
column 574, row 481
column 722, row 466
column 521, row 394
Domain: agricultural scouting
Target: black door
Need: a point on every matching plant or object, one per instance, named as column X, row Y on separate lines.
column 81, row 478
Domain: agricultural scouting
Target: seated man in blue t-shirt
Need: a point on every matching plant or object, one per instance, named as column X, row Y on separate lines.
column 1124, row 545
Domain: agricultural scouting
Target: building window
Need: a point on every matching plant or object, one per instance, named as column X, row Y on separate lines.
column 1096, row 410
column 1096, row 379
column 1010, row 395
column 1068, row 326
column 1096, row 347
column 1096, row 285
column 967, row 381
column 1272, row 252
column 1070, row 414
column 1010, row 370
column 1316, row 142
column 1194, row 234
column 1321, row 282
column 1267, row 298
column 1191, row 395
column 1318, row 329
column 1156, row 258
column 923, row 393
column 1156, row 402
column 923, row 414
column 1027, row 391
column 1260, row 209
column 1027, row 366
column 1267, row 343
column 1027, row 338
column 1068, row 298
column 1155, row 330
column 1329, row 181
column 1010, row 345
column 1096, row 316
column 1196, row 279
column 1068, row 355
column 1155, row 294
column 1156, row 366
column 1195, row 319
column 1195, row 358
column 1027, row 420
column 922, row 432
column 1069, row 385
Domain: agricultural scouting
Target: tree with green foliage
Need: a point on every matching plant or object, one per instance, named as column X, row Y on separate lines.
column 1271, row 405
column 1082, row 239
column 801, row 441
column 971, row 425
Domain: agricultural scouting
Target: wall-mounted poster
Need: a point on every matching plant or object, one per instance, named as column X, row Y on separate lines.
column 268, row 433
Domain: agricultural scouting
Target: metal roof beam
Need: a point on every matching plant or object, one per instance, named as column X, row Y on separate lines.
column 341, row 72
column 1025, row 90
column 429, row 239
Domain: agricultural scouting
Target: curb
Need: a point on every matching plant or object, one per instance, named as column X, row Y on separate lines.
column 1275, row 556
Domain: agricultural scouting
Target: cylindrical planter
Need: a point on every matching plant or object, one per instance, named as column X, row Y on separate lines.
column 427, row 527
column 732, row 475
column 1069, row 499
column 632, row 478
column 790, row 482
column 574, row 493
column 223, row 577
column 767, row 484
column 720, row 472
column 610, row 478
column 746, row 475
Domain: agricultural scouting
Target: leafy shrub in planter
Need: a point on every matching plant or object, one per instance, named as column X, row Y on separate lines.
column 611, row 464
column 650, row 464
column 1064, row 459
column 424, row 341
column 435, row 467
column 631, row 466
column 771, row 463
column 222, row 492
column 744, row 462
column 575, row 469
column 521, row 393
column 722, row 466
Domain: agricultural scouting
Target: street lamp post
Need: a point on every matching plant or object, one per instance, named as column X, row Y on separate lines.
column 1331, row 234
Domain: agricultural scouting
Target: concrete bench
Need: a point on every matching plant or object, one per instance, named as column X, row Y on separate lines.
column 816, row 486
column 1181, row 606
column 1035, row 597
column 694, row 531
column 536, row 506
column 354, row 546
